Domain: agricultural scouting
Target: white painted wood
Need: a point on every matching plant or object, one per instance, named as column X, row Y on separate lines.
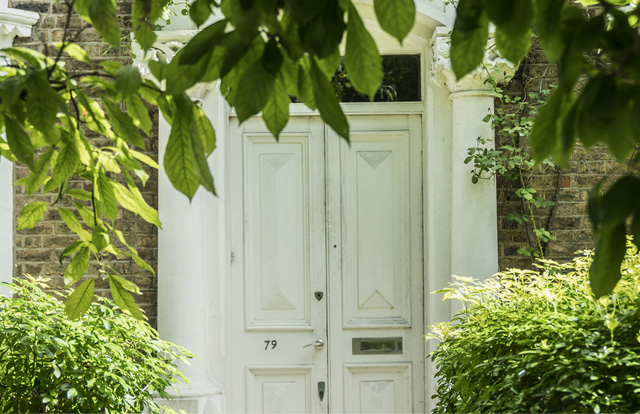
column 393, row 204
column 6, row 224
column 370, row 189
column 377, row 388
column 278, row 245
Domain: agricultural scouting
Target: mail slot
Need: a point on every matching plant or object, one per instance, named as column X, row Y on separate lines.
column 376, row 346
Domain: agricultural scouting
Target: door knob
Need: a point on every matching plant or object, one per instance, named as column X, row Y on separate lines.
column 319, row 344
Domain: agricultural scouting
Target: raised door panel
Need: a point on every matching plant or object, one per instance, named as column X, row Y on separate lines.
column 282, row 389
column 379, row 388
column 376, row 254
column 277, row 280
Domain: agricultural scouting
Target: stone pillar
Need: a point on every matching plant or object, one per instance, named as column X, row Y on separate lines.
column 13, row 23
column 188, row 257
column 474, row 244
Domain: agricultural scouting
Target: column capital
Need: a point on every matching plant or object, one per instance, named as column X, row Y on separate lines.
column 167, row 45
column 13, row 23
column 492, row 64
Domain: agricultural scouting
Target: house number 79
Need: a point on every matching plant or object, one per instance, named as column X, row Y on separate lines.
column 271, row 342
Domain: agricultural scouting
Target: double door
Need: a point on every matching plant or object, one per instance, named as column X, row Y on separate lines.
column 327, row 270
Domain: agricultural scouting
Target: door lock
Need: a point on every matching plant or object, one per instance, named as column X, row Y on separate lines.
column 319, row 295
column 321, row 387
column 319, row 344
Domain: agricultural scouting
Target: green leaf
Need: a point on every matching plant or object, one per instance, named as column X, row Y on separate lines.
column 144, row 35
column 469, row 37
column 123, row 124
column 37, row 178
column 179, row 158
column 513, row 38
column 620, row 201
column 139, row 113
column 123, row 299
column 129, row 201
column 72, row 222
column 87, row 215
column 79, row 301
column 127, row 285
column 545, row 135
column 396, row 17
column 328, row 102
column 548, row 21
column 144, row 210
column 202, row 44
column 254, row 90
column 323, row 34
column 100, row 237
column 205, row 130
column 75, row 51
column 200, row 11
column 276, row 111
column 103, row 18
column 66, row 164
column 303, row 11
column 77, row 267
column 305, row 86
column 31, row 214
column 42, row 101
column 604, row 272
column 19, row 142
column 71, row 249
column 127, row 80
column 635, row 229
column 72, row 393
column 362, row 60
column 80, row 194
column 105, row 197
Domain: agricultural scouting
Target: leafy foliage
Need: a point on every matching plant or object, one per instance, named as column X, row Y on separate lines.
column 538, row 341
column 513, row 120
column 598, row 46
column 103, row 362
column 262, row 53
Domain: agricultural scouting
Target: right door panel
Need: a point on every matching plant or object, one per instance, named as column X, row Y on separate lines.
column 374, row 216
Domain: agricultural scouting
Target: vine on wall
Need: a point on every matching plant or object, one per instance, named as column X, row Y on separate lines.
column 513, row 120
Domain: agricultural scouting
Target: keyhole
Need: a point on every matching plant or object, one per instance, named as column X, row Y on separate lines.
column 319, row 295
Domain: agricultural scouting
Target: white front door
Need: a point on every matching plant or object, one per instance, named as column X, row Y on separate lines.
column 326, row 241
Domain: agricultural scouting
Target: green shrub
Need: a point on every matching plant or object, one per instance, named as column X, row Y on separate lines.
column 104, row 361
column 530, row 341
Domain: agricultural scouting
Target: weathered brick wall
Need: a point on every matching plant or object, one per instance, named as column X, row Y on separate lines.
column 569, row 188
column 37, row 250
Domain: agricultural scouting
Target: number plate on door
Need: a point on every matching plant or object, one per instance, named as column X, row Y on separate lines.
column 375, row 346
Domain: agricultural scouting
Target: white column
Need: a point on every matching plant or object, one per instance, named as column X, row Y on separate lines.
column 12, row 23
column 189, row 280
column 474, row 237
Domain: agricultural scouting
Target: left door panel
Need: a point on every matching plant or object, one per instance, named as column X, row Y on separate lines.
column 277, row 211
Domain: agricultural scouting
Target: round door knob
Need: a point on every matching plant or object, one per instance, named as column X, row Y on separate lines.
column 319, row 344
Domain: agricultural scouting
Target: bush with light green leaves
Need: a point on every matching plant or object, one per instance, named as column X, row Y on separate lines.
column 538, row 341
column 105, row 361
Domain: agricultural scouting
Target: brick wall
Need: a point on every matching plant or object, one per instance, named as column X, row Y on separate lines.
column 569, row 188
column 37, row 250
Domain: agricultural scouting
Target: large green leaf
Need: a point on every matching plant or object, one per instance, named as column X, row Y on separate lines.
column 19, row 142
column 31, row 214
column 103, row 18
column 80, row 300
column 303, row 11
column 604, row 272
column 37, row 178
column 254, row 90
column 396, row 16
column 469, row 37
column 127, row 80
column 75, row 51
column 123, row 299
column 546, row 133
column 42, row 101
column 548, row 23
column 139, row 113
column 123, row 124
column 323, row 34
column 73, row 223
column 144, row 210
column 77, row 267
column 276, row 111
column 66, row 164
column 203, row 43
column 327, row 102
column 105, row 197
column 362, row 60
column 205, row 130
column 100, row 237
column 513, row 38
column 179, row 158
